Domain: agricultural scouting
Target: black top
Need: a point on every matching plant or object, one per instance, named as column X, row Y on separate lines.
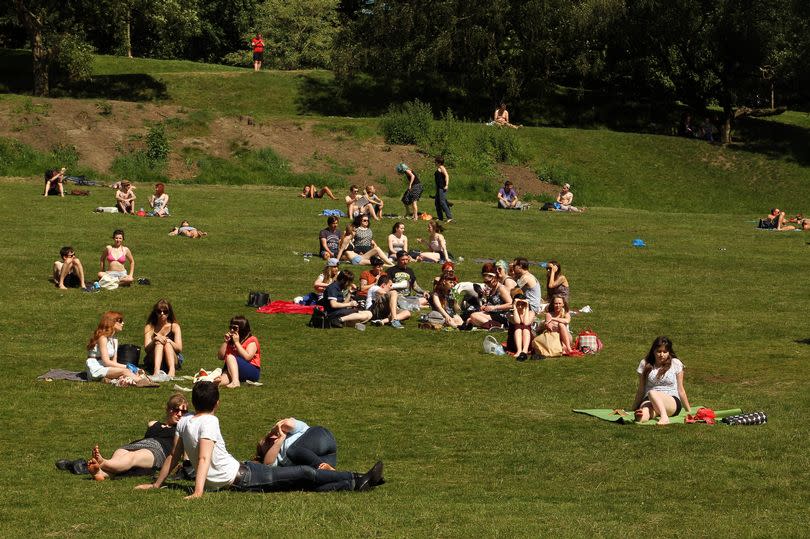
column 398, row 274
column 438, row 176
column 161, row 432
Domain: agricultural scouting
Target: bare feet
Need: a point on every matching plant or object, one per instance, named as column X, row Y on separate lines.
column 97, row 455
column 663, row 421
column 234, row 384
column 62, row 287
column 325, row 466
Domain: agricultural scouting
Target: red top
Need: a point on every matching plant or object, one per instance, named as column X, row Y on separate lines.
column 258, row 44
column 257, row 357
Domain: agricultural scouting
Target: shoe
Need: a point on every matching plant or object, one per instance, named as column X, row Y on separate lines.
column 64, row 464
column 396, row 324
column 376, row 473
column 448, row 221
column 144, row 281
column 79, row 467
column 370, row 479
column 522, row 356
column 376, row 322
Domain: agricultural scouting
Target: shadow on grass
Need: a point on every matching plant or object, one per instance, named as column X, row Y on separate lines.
column 802, row 341
column 322, row 95
column 774, row 140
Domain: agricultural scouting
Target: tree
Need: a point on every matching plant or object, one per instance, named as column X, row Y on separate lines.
column 38, row 17
column 298, row 33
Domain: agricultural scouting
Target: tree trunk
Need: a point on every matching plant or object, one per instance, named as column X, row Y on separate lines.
column 128, row 34
column 725, row 129
column 40, row 54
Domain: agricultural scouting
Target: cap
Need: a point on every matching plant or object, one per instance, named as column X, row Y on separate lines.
column 332, row 262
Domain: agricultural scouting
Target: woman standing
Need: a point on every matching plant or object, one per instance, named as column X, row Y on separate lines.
column 241, row 353
column 102, row 358
column 442, row 179
column 162, row 339
column 113, row 258
column 159, row 202
column 413, row 193
column 660, row 384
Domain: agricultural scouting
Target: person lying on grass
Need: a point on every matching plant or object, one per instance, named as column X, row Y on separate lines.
column 310, row 191
column 775, row 221
column 660, row 390
column 291, row 442
column 200, row 437
column 139, row 457
column 187, row 230
column 68, row 272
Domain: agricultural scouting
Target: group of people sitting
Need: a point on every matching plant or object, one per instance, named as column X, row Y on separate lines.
column 291, row 456
column 508, row 199
column 707, row 130
column 68, row 271
column 776, row 220
column 125, row 199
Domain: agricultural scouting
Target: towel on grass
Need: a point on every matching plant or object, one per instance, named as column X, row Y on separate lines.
column 609, row 414
column 285, row 307
column 62, row 374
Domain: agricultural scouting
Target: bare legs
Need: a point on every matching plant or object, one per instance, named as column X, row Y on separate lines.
column 565, row 337
column 325, row 191
column 120, row 462
column 70, row 265
column 160, row 353
column 230, row 377
column 660, row 405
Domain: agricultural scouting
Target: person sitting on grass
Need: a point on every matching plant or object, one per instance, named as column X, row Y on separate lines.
column 501, row 117
column 382, row 302
column 443, row 301
column 375, row 201
column 162, row 339
column 125, row 198
column 68, row 272
column 102, row 357
column 436, row 243
column 54, row 182
column 565, row 198
column 397, row 240
column 113, row 258
column 140, row 457
column 201, row 438
column 310, row 191
column 187, row 231
column 556, row 282
column 329, row 238
column 357, row 205
column 336, row 304
column 241, row 353
column 508, row 198
column 404, row 280
column 291, row 442
column 504, row 271
column 358, row 245
column 775, row 221
column 159, row 201
column 520, row 326
column 660, row 390
column 370, row 277
column 557, row 318
column 528, row 283
column 497, row 302
column 327, row 277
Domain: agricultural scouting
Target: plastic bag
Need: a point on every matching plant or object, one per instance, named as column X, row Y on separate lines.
column 492, row 346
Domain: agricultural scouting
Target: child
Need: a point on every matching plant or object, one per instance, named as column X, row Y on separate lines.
column 68, row 272
column 200, row 437
column 660, row 384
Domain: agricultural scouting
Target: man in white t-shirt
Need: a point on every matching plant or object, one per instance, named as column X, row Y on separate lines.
column 382, row 302
column 200, row 437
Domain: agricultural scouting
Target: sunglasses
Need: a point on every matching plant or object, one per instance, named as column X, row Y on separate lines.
column 71, row 255
column 162, row 311
column 120, row 321
column 179, row 410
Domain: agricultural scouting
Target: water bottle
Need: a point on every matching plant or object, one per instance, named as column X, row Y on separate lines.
column 141, row 213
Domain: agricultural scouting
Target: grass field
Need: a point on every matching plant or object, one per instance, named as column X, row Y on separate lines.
column 474, row 445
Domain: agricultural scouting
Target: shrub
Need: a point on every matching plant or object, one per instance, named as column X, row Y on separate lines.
column 409, row 123
column 138, row 166
column 157, row 144
column 74, row 58
column 64, row 155
column 500, row 144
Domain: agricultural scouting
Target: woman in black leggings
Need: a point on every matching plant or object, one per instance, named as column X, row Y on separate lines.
column 292, row 442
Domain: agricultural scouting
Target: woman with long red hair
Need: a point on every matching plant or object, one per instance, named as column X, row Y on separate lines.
column 159, row 202
column 102, row 350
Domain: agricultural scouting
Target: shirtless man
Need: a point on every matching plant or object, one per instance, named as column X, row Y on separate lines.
column 501, row 117
column 68, row 272
column 565, row 198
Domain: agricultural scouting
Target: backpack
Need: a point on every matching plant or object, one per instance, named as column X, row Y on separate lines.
column 320, row 320
column 588, row 342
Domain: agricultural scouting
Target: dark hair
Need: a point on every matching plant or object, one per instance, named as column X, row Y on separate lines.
column 507, row 183
column 66, row 250
column 118, row 231
column 358, row 220
column 522, row 262
column 437, row 226
column 160, row 188
column 548, row 273
column 401, row 254
column 153, row 316
column 332, row 219
column 376, row 261
column 650, row 359
column 382, row 279
column 204, row 396
column 396, row 225
column 244, row 326
column 439, row 160
column 345, row 278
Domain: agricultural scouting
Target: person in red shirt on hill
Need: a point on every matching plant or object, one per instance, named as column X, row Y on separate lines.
column 258, row 51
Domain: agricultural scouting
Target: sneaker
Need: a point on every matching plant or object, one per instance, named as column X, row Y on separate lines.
column 396, row 324
column 448, row 221
column 376, row 322
column 360, row 327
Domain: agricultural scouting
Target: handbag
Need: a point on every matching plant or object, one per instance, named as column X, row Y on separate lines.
column 548, row 344
column 258, row 299
column 588, row 342
column 129, row 353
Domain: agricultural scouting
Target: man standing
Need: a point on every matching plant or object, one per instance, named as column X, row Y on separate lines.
column 258, row 51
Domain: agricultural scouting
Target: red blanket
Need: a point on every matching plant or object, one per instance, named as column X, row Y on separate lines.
column 285, row 307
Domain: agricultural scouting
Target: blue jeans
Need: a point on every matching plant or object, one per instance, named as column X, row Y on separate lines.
column 315, row 446
column 442, row 208
column 264, row 478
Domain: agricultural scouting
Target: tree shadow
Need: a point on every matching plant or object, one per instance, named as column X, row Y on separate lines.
column 802, row 341
column 773, row 139
column 324, row 95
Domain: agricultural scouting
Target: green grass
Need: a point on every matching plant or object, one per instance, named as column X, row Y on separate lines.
column 474, row 445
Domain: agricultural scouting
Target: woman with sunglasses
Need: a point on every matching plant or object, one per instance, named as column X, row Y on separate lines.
column 162, row 339
column 503, row 270
column 241, row 353
column 142, row 456
column 496, row 304
column 102, row 349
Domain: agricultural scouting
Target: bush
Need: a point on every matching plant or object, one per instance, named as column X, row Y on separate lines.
column 64, row 155
column 409, row 123
column 157, row 144
column 500, row 144
column 74, row 58
column 139, row 167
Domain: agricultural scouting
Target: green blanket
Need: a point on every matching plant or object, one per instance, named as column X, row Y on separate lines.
column 611, row 415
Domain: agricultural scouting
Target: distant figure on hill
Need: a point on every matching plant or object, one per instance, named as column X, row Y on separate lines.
column 775, row 221
column 68, row 272
column 508, row 198
column 685, row 127
column 310, row 191
column 565, row 198
column 54, row 180
column 258, row 51
column 501, row 117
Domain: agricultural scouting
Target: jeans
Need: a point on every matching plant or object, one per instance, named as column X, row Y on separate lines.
column 264, row 478
column 315, row 446
column 442, row 208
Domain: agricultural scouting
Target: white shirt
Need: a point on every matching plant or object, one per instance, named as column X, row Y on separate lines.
column 192, row 429
column 372, row 293
column 667, row 384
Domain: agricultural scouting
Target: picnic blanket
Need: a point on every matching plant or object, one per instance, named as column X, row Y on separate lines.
column 285, row 307
column 609, row 414
column 62, row 374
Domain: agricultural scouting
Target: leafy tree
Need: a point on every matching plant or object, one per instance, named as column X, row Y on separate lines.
column 298, row 33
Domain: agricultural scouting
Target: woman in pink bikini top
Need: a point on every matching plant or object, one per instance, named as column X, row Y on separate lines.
column 113, row 259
